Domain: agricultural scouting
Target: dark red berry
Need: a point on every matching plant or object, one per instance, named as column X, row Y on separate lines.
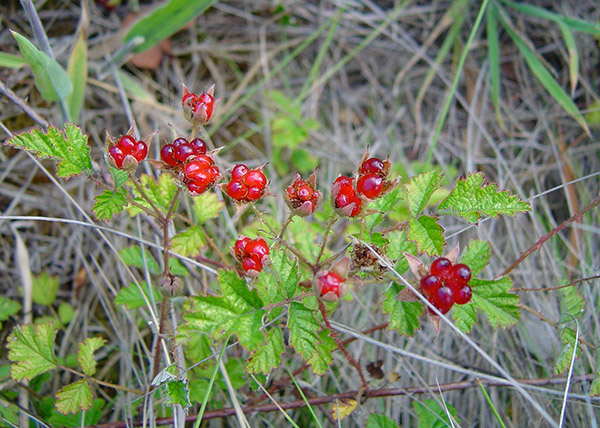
column 460, row 274
column 127, row 144
column 197, row 187
column 252, row 263
column 441, row 268
column 443, row 299
column 237, row 190
column 117, row 154
column 430, row 284
column 199, row 146
column 463, row 295
column 372, row 166
column 239, row 248
column 179, row 141
column 257, row 247
column 255, row 178
column 239, row 171
column 140, row 151
column 167, row 155
column 183, row 151
column 369, row 185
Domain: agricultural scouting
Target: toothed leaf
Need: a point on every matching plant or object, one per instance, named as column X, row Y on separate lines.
column 109, row 204
column 85, row 355
column 31, row 349
column 427, row 234
column 404, row 316
column 74, row 397
column 419, row 190
column 268, row 356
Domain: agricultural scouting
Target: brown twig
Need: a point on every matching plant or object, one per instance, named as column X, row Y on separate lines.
column 390, row 392
column 553, row 232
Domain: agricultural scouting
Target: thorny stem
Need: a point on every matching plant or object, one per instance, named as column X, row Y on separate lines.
column 101, row 382
column 553, row 232
column 262, row 220
column 285, row 226
column 342, row 348
column 330, row 224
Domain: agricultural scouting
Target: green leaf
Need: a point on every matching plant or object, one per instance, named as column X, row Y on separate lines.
column 85, row 355
column 544, row 76
column 464, row 317
column 427, row 234
column 477, row 256
column 287, row 273
column 206, row 207
column 237, row 310
column 189, row 242
column 132, row 256
column 573, row 55
column 178, row 393
column 109, row 204
column 44, row 289
column 382, row 206
column 567, row 337
column 120, row 176
column 571, row 303
column 69, row 146
column 66, row 312
column 419, row 190
column 304, row 330
column 90, row 417
column 493, row 298
column 404, row 316
column 77, row 72
column 399, row 244
column 432, row 415
column 8, row 308
column 11, row 61
column 322, row 358
column 133, row 298
column 50, row 79
column 74, row 397
column 177, row 268
column 380, row 421
column 471, row 200
column 165, row 21
column 31, row 350
column 161, row 193
column 268, row 356
column 303, row 160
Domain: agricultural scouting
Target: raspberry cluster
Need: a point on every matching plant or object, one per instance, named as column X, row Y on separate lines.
column 176, row 153
column 246, row 185
column 198, row 108
column 447, row 284
column 344, row 197
column 331, row 286
column 200, row 174
column 253, row 253
column 301, row 196
column 126, row 152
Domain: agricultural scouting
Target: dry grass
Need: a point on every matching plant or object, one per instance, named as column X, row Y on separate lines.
column 366, row 92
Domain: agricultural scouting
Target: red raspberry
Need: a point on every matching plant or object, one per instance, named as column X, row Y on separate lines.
column 179, row 141
column 167, row 155
column 373, row 166
column 239, row 248
column 304, row 192
column 441, row 268
column 117, row 155
column 460, row 274
column 343, row 181
column 463, row 295
column 443, row 299
column 183, row 151
column 127, row 144
column 252, row 263
column 254, row 194
column 198, row 108
column 344, row 201
column 430, row 284
column 199, row 146
column 257, row 247
column 197, row 187
column 237, row 190
column 330, row 286
column 369, row 185
column 239, row 171
column 255, row 178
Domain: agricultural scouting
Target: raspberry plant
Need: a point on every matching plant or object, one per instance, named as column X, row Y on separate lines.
column 275, row 287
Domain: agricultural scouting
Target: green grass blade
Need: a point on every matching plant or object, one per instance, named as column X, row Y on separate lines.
column 165, row 21
column 494, row 59
column 489, row 401
column 210, row 385
column 575, row 24
column 573, row 55
column 461, row 63
column 11, row 61
column 543, row 75
column 77, row 71
column 310, row 409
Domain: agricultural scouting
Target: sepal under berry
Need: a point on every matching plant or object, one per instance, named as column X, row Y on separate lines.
column 198, row 109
